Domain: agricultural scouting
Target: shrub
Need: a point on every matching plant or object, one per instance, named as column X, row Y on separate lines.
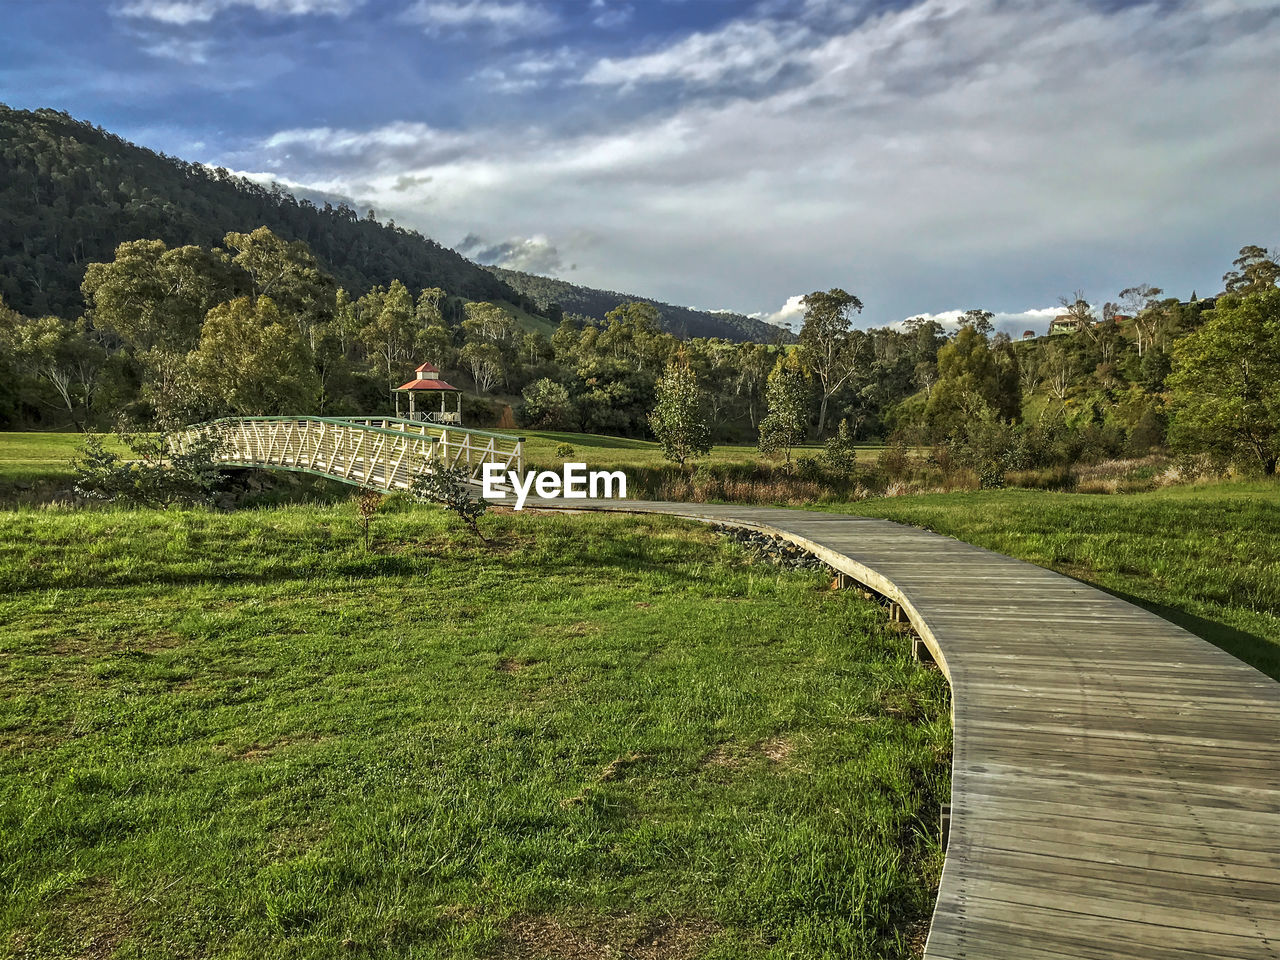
column 546, row 405
column 840, row 453
column 449, row 486
column 165, row 469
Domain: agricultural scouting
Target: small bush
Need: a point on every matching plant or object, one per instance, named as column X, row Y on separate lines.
column 449, row 486
column 564, row 450
column 165, row 469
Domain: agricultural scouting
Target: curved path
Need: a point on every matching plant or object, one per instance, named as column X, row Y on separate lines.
column 1115, row 779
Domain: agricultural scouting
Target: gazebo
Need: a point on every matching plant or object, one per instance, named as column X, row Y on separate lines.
column 426, row 380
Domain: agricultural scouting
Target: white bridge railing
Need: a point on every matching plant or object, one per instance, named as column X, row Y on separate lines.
column 384, row 453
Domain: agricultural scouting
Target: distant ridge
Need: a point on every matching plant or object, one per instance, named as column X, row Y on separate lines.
column 70, row 192
column 595, row 303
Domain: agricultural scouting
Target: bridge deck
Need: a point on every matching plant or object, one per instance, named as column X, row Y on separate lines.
column 1115, row 779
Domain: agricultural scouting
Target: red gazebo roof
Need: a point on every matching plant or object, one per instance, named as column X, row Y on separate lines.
column 427, row 385
column 427, row 368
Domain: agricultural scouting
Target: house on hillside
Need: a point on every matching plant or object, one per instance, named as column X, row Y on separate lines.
column 1065, row 323
column 1028, row 334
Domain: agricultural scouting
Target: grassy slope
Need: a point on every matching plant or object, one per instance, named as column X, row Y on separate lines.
column 1206, row 557
column 243, row 736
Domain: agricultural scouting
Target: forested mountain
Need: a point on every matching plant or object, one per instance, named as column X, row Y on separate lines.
column 71, row 192
column 682, row 321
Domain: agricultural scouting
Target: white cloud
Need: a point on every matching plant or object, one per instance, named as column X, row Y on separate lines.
column 790, row 314
column 984, row 152
column 529, row 73
column 609, row 16
column 186, row 12
column 501, row 17
column 754, row 51
column 1035, row 319
column 191, row 52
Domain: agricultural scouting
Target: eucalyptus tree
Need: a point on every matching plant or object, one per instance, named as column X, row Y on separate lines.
column 827, row 342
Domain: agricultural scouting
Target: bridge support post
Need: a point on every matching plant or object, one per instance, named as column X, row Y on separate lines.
column 944, row 824
column 920, row 651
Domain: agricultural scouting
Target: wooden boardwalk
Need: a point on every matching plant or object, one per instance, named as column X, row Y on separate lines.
column 1115, row 780
column 1115, row 787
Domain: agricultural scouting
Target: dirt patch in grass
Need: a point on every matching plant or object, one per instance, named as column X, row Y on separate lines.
column 776, row 749
column 513, row 665
column 544, row 938
column 89, row 923
column 723, row 757
column 79, row 645
column 260, row 751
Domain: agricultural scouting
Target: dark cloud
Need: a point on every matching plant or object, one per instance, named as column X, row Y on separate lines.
column 528, row 254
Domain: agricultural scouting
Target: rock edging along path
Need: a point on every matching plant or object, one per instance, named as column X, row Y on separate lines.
column 1115, row 787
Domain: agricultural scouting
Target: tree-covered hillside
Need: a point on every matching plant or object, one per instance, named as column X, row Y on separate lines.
column 682, row 321
column 70, row 193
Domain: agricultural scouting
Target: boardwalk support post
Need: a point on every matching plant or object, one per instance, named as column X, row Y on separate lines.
column 920, row 651
column 944, row 823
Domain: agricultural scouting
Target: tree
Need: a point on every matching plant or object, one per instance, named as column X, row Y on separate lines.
column 754, row 361
column 1256, row 271
column 841, row 453
column 62, row 354
column 1079, row 312
column 390, row 330
column 155, row 298
column 484, row 360
column 287, row 272
column 1141, row 304
column 547, row 405
column 252, row 362
column 827, row 344
column 973, row 378
column 1059, row 370
column 787, row 399
column 979, row 320
column 488, row 323
column 678, row 419
column 1225, row 383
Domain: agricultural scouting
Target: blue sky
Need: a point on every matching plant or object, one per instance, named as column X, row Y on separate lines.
column 930, row 155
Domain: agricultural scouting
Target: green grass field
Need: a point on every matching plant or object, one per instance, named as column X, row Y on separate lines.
column 30, row 459
column 1205, row 556
column 242, row 735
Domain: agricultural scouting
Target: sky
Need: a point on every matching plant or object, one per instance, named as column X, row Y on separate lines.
column 928, row 156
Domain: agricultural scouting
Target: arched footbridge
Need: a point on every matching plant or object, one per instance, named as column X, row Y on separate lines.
column 1115, row 779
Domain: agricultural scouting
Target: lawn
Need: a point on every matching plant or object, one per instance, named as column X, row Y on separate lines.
column 1205, row 556
column 28, row 460
column 242, row 735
